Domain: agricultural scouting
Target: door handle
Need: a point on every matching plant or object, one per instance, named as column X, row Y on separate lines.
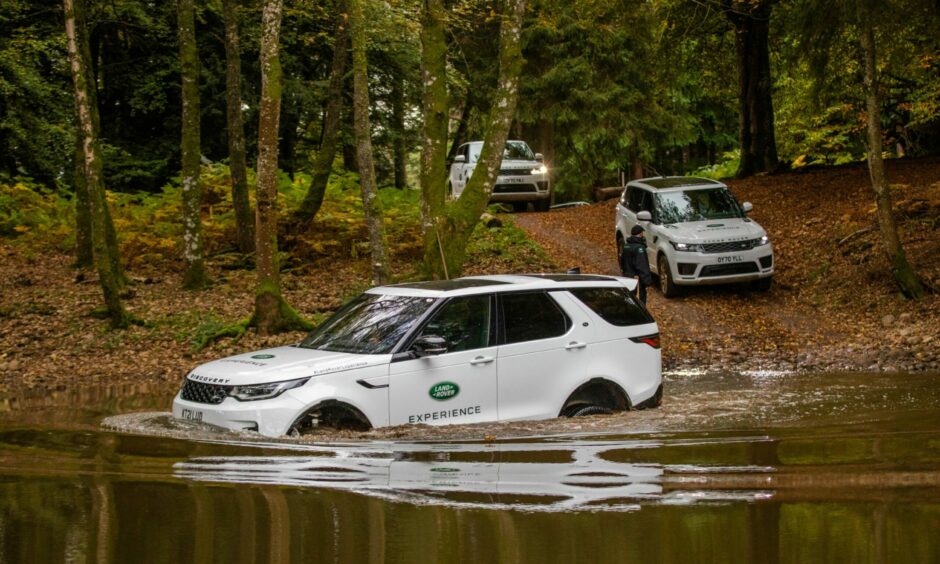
column 482, row 360
column 575, row 345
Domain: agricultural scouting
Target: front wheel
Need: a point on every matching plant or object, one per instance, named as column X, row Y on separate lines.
column 666, row 284
column 543, row 205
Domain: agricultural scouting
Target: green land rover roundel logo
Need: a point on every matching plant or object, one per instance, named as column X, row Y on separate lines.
column 260, row 356
column 444, row 391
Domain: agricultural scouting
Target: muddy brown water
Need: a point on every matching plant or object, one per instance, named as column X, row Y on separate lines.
column 735, row 467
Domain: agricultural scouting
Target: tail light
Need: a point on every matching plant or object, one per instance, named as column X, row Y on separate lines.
column 651, row 340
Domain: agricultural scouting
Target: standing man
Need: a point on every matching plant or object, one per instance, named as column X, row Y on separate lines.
column 634, row 262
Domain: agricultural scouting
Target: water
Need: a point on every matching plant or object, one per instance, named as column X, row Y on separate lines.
column 761, row 467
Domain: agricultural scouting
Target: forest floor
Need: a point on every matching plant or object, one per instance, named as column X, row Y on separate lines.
column 833, row 305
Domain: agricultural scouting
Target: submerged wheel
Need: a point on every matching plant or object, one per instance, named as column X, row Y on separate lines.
column 666, row 285
column 584, row 410
column 331, row 415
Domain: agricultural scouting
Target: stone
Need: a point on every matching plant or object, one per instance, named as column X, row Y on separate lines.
column 887, row 320
column 904, row 317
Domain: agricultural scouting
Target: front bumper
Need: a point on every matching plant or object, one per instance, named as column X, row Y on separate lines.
column 271, row 417
column 521, row 189
column 697, row 268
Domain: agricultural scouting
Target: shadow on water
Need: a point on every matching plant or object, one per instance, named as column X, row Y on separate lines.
column 757, row 467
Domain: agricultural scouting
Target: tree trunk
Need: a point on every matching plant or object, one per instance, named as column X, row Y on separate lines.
column 370, row 199
column 448, row 228
column 751, row 19
column 272, row 313
column 460, row 135
column 244, row 221
column 195, row 276
column 323, row 166
column 399, row 151
column 902, row 271
column 84, row 250
column 87, row 112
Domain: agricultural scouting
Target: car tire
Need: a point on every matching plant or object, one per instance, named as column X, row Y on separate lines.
column 590, row 409
column 668, row 288
column 763, row 284
column 518, row 207
column 620, row 244
column 543, row 205
column 450, row 191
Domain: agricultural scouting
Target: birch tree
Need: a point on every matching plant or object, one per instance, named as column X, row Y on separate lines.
column 448, row 226
column 237, row 162
column 106, row 257
column 370, row 200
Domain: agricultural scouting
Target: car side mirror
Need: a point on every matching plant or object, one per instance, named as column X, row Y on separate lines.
column 460, row 159
column 539, row 157
column 430, row 345
column 747, row 207
column 644, row 216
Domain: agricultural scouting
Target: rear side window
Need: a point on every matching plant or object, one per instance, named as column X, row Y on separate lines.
column 614, row 305
column 532, row 316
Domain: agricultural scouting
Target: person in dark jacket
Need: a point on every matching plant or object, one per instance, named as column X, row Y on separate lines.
column 635, row 264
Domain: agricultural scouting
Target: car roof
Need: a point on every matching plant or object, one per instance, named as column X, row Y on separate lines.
column 675, row 182
column 498, row 283
column 507, row 141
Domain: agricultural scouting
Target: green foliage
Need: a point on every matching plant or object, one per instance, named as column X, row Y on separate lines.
column 508, row 247
column 726, row 168
column 34, row 215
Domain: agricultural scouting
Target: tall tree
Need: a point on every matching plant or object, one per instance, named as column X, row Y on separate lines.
column 903, row 274
column 332, row 115
column 448, row 227
column 84, row 248
column 751, row 22
column 195, row 276
column 244, row 220
column 86, row 109
column 272, row 312
column 370, row 199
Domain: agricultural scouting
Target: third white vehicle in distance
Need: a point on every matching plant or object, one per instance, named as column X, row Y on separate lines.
column 523, row 177
column 696, row 233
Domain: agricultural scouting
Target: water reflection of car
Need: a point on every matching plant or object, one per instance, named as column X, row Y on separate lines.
column 523, row 177
column 468, row 350
column 697, row 233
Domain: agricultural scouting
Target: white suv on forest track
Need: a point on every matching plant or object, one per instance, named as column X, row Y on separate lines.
column 486, row 348
column 696, row 233
column 523, row 177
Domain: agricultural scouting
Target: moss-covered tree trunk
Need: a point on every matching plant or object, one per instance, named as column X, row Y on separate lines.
column 272, row 313
column 902, row 271
column 448, row 226
column 84, row 251
column 87, row 112
column 244, row 219
column 370, row 198
column 323, row 165
column 399, row 150
column 195, row 276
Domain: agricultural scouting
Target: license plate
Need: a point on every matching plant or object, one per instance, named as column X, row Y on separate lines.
column 512, row 180
column 734, row 258
column 191, row 415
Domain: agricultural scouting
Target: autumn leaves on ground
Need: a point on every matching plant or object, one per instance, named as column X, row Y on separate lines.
column 833, row 304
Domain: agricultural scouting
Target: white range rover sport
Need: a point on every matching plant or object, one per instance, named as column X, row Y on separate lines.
column 523, row 177
column 696, row 233
column 487, row 348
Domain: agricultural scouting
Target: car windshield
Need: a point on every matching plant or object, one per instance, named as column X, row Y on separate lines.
column 370, row 324
column 515, row 150
column 696, row 205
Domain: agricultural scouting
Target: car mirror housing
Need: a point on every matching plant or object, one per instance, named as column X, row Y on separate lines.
column 460, row 159
column 644, row 216
column 430, row 345
column 747, row 207
column 539, row 157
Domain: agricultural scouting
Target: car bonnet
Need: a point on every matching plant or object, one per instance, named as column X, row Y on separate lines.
column 714, row 231
column 279, row 364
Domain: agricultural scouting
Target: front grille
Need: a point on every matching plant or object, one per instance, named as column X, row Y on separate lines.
column 730, row 246
column 767, row 262
column 507, row 188
column 728, row 269
column 515, row 172
column 200, row 392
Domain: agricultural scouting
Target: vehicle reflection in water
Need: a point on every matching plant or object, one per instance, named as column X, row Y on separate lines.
column 552, row 476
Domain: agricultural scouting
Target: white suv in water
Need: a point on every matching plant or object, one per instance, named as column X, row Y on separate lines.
column 487, row 348
column 523, row 177
column 696, row 233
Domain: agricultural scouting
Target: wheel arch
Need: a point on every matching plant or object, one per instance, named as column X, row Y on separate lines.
column 333, row 405
column 597, row 391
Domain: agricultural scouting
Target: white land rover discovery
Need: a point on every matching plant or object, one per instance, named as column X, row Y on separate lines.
column 523, row 177
column 696, row 233
column 487, row 348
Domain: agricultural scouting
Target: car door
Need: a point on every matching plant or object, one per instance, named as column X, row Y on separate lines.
column 654, row 231
column 544, row 342
column 457, row 386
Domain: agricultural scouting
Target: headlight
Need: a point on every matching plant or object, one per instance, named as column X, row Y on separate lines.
column 541, row 169
column 762, row 241
column 264, row 391
column 686, row 247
